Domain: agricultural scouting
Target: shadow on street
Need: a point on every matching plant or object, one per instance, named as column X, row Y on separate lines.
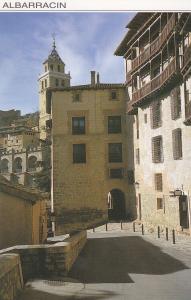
column 111, row 259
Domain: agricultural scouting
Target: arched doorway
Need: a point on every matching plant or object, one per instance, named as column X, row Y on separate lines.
column 116, row 205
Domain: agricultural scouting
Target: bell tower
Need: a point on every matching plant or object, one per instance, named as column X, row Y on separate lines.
column 54, row 76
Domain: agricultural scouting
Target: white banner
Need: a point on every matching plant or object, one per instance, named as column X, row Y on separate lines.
column 94, row 5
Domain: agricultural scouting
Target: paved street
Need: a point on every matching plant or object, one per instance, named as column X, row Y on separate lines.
column 122, row 265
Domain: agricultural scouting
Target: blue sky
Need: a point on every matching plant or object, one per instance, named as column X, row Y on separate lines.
column 85, row 41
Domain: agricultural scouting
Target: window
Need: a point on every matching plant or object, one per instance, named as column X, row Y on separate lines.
column 51, row 67
column 137, row 126
column 145, row 118
column 156, row 114
column 137, row 156
column 114, row 124
column 78, row 125
column 131, row 176
column 175, row 103
column 56, row 82
column 45, row 68
column 157, row 149
column 159, row 203
column 79, row 153
column 42, row 85
column 116, row 173
column 58, row 68
column 115, row 152
column 113, row 95
column 158, row 182
column 62, row 83
column 45, row 82
column 76, row 97
column 177, row 143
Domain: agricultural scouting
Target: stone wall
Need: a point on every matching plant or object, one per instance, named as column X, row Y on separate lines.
column 48, row 261
column 11, row 280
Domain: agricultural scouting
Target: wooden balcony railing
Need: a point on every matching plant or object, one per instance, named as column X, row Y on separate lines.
column 186, row 59
column 155, row 45
column 188, row 113
column 155, row 84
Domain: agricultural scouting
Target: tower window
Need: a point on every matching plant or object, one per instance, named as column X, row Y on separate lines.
column 45, row 68
column 51, row 67
column 45, row 82
column 58, row 68
column 79, row 153
column 56, row 82
column 115, row 152
column 78, row 125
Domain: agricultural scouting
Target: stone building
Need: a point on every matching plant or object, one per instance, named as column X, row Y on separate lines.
column 21, row 154
column 157, row 53
column 91, row 176
column 23, row 216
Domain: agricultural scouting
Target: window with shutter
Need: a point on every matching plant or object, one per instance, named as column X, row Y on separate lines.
column 137, row 156
column 157, row 149
column 177, row 143
column 158, row 182
column 156, row 115
column 159, row 203
column 175, row 103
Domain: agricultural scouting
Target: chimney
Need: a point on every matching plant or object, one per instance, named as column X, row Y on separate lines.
column 93, row 77
column 98, row 78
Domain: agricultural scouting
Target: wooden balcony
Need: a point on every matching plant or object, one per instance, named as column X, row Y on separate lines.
column 186, row 68
column 188, row 114
column 155, row 46
column 155, row 85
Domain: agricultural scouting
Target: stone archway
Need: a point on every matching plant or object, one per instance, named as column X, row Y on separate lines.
column 17, row 165
column 4, row 166
column 116, row 205
column 32, row 163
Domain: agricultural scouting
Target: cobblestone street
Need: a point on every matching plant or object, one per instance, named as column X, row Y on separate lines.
column 121, row 264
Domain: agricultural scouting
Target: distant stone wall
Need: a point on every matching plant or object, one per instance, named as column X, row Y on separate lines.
column 11, row 280
column 49, row 261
